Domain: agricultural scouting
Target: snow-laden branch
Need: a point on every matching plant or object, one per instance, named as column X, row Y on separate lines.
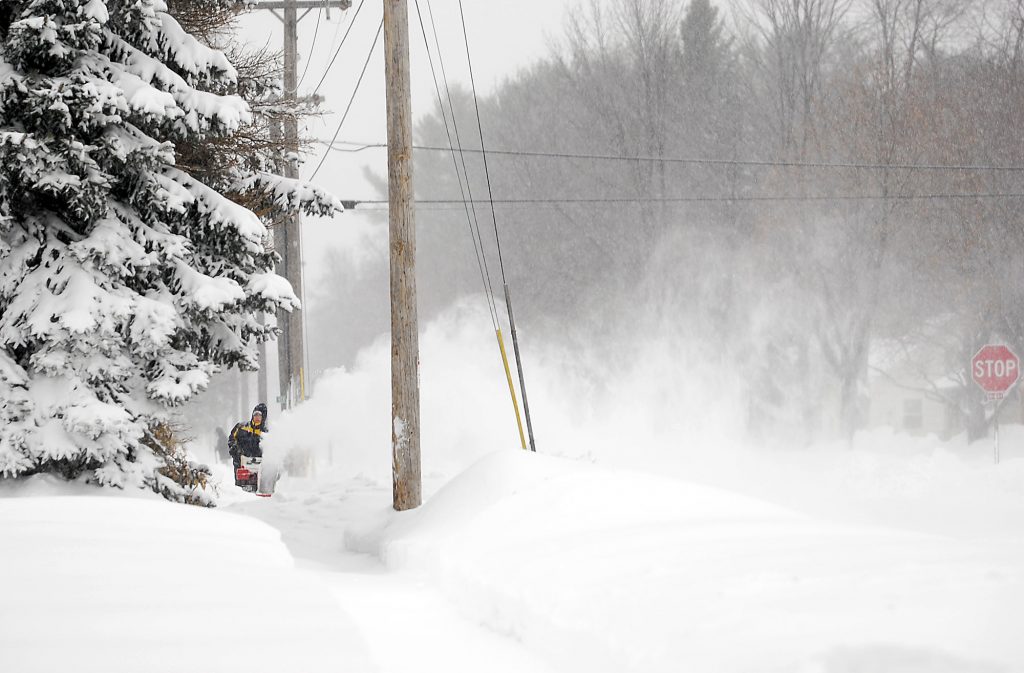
column 289, row 194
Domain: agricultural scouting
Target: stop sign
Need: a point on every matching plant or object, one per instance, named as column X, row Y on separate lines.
column 995, row 368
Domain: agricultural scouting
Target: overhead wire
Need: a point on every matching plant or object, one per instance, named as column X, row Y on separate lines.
column 344, row 37
column 713, row 199
column 483, row 148
column 462, row 158
column 355, row 90
column 501, row 262
column 346, row 19
column 477, row 244
column 312, row 46
column 462, row 150
column 305, row 71
column 359, row 147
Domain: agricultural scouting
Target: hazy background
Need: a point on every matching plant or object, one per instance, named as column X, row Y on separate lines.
column 785, row 236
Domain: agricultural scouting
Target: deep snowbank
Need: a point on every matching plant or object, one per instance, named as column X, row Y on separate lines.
column 635, row 551
column 660, row 413
column 614, row 571
column 120, row 584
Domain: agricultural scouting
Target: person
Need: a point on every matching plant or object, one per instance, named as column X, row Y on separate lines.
column 244, row 439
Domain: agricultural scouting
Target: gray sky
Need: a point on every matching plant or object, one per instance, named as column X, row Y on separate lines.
column 503, row 37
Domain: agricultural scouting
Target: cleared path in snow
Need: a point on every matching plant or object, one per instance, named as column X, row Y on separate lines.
column 404, row 622
column 618, row 571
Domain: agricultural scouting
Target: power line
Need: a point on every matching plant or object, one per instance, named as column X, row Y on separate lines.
column 462, row 155
column 477, row 244
column 337, row 29
column 501, row 262
column 338, row 50
column 355, row 90
column 359, row 147
column 704, row 199
column 483, row 149
column 309, row 59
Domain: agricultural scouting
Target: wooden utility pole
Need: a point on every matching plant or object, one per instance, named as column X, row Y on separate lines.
column 288, row 235
column 405, row 359
column 291, row 251
column 280, row 242
column 261, row 375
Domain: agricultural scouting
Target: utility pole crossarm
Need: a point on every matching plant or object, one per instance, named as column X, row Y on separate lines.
column 300, row 4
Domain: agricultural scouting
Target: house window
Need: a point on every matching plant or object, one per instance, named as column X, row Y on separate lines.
column 913, row 414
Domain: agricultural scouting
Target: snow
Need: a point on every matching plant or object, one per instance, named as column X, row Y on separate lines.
column 96, row 10
column 605, row 570
column 290, row 193
column 11, row 371
column 398, row 431
column 119, row 584
column 520, row 562
column 206, row 292
column 666, row 552
column 142, row 76
column 273, row 287
column 187, row 52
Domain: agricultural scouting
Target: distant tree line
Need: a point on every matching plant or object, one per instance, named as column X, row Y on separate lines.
column 815, row 220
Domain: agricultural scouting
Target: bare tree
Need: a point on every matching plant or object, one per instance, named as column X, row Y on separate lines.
column 625, row 62
column 795, row 40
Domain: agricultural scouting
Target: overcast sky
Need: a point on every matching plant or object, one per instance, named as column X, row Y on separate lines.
column 503, row 37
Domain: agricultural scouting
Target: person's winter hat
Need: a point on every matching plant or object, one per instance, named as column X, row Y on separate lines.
column 261, row 409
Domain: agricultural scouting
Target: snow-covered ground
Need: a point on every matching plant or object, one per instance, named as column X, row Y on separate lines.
column 663, row 552
column 521, row 562
column 94, row 583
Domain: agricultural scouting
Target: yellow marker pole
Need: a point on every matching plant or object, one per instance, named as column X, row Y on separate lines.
column 511, row 388
column 302, row 385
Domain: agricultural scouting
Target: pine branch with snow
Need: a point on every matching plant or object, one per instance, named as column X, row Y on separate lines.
column 125, row 282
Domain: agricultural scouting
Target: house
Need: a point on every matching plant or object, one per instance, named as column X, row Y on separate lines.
column 920, row 389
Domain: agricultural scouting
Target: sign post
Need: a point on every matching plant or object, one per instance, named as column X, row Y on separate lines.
column 996, row 369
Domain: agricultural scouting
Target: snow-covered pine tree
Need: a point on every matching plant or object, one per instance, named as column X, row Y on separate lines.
column 246, row 165
column 125, row 281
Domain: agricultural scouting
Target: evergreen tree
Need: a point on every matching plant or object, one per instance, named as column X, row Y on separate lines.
column 706, row 48
column 125, row 281
column 246, row 164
